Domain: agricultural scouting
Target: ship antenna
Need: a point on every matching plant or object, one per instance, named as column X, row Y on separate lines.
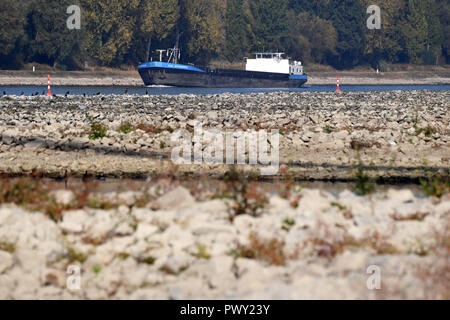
column 176, row 48
column 148, row 49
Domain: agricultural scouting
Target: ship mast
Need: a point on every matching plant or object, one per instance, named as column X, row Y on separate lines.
column 175, row 53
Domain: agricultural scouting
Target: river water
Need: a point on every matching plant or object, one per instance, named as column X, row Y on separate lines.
column 92, row 90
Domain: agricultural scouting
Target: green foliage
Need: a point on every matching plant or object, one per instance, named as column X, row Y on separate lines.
column 98, row 130
column 415, row 30
column 244, row 193
column 237, row 33
column 75, row 256
column 125, row 128
column 116, row 33
column 386, row 44
column 160, row 17
column 202, row 252
column 49, row 39
column 271, row 251
column 349, row 19
column 435, row 186
column 12, row 17
column 111, row 25
column 268, row 20
column 8, row 247
column 97, row 268
column 204, row 20
column 310, row 38
column 443, row 11
column 288, row 224
column 364, row 184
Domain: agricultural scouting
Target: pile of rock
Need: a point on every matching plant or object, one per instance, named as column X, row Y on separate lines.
column 322, row 135
column 183, row 249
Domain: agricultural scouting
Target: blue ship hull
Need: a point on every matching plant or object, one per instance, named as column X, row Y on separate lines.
column 179, row 75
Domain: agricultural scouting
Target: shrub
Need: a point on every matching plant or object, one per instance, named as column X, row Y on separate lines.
column 246, row 195
column 436, row 186
column 125, row 128
column 202, row 252
column 364, row 184
column 98, row 131
column 30, row 194
column 271, row 251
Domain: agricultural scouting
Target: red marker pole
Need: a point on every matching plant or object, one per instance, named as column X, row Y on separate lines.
column 338, row 89
column 49, row 93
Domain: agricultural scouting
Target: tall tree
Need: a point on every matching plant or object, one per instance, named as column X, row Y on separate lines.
column 156, row 22
column 310, row 38
column 434, row 40
column 415, row 30
column 444, row 18
column 49, row 39
column 12, row 16
column 205, row 23
column 388, row 42
column 268, row 18
column 349, row 20
column 111, row 26
column 236, row 43
column 159, row 17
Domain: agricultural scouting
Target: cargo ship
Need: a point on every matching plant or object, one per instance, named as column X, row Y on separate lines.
column 265, row 70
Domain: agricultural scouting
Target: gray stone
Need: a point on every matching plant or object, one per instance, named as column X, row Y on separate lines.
column 176, row 199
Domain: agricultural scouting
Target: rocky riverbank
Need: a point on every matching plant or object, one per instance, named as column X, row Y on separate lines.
column 311, row 245
column 393, row 135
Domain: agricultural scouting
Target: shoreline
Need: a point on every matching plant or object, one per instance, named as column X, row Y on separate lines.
column 132, row 78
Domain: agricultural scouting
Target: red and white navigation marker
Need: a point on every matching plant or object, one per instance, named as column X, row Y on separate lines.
column 338, row 83
column 49, row 93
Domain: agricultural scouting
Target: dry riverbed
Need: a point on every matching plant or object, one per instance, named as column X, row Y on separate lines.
column 393, row 135
column 161, row 238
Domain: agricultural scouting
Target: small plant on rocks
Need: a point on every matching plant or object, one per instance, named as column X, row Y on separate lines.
column 288, row 223
column 435, row 186
column 202, row 252
column 8, row 247
column 246, row 196
column 98, row 130
column 364, row 184
column 271, row 251
column 125, row 128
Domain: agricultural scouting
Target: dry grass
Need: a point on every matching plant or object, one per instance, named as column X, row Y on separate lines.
column 436, row 186
column 150, row 128
column 8, row 247
column 33, row 194
column 418, row 216
column 432, row 275
column 246, row 195
column 357, row 145
column 326, row 244
column 272, row 251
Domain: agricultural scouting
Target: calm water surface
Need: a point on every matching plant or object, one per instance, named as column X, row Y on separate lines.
column 91, row 90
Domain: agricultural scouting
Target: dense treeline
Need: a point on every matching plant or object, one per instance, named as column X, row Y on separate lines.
column 120, row 32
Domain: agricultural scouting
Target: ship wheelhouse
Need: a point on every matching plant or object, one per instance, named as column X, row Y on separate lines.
column 273, row 62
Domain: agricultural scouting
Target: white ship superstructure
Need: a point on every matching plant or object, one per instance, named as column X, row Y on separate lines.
column 274, row 63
